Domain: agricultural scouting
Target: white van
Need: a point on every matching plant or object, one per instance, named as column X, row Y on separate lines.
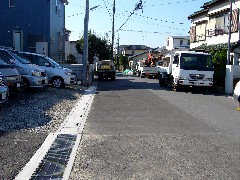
column 32, row 75
column 58, row 76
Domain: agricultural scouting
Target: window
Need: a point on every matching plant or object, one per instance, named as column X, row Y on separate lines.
column 222, row 24
column 11, row 3
column 32, row 39
column 201, row 32
column 181, row 42
column 188, row 42
column 41, row 61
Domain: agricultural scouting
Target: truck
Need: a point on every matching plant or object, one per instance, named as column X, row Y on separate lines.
column 105, row 69
column 185, row 69
column 146, row 68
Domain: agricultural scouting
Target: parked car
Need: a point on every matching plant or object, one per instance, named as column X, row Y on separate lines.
column 11, row 74
column 4, row 91
column 32, row 75
column 58, row 76
column 236, row 93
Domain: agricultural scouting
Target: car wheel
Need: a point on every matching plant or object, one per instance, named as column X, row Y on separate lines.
column 24, row 85
column 57, row 82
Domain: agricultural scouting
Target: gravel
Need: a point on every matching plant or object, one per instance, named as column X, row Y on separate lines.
column 26, row 119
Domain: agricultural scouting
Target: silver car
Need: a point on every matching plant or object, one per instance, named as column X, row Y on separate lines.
column 11, row 74
column 4, row 92
column 32, row 75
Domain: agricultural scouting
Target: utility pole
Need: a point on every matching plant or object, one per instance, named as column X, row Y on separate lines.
column 85, row 45
column 113, row 30
column 118, row 54
column 229, row 33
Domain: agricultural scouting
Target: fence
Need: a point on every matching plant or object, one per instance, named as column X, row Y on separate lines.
column 78, row 70
column 63, row 58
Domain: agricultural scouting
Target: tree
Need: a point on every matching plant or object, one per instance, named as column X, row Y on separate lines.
column 97, row 47
column 123, row 61
column 219, row 57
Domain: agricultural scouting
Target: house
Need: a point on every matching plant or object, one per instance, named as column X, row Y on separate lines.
column 131, row 50
column 173, row 43
column 34, row 26
column 177, row 41
column 209, row 29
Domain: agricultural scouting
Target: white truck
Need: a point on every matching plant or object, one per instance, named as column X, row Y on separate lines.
column 105, row 69
column 186, row 69
column 146, row 69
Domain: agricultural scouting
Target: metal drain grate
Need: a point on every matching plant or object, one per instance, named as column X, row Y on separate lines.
column 55, row 161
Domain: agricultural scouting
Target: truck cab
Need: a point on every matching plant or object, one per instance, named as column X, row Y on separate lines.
column 187, row 69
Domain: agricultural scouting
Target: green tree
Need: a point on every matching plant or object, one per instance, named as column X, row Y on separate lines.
column 220, row 61
column 97, row 47
column 123, row 60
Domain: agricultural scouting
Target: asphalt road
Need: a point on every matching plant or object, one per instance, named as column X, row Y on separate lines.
column 137, row 130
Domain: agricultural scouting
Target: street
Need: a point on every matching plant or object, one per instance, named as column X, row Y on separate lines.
column 134, row 130
column 137, row 130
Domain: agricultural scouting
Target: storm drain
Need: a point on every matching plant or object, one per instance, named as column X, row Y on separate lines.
column 55, row 161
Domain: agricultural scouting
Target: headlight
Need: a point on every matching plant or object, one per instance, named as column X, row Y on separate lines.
column 183, row 78
column 14, row 78
column 36, row 73
column 68, row 73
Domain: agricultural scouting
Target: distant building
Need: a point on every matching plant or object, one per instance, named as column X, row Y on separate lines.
column 34, row 26
column 173, row 42
column 131, row 50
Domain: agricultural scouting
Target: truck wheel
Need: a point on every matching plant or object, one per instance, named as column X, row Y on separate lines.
column 57, row 82
column 113, row 78
column 138, row 74
column 100, row 78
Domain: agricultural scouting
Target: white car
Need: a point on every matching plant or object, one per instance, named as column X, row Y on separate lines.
column 58, row 76
column 237, row 91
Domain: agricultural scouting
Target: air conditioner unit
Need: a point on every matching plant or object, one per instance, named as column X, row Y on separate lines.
column 42, row 48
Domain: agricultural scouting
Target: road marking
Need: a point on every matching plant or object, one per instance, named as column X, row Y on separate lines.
column 73, row 125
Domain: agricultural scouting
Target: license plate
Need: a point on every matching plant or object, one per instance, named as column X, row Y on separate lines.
column 4, row 95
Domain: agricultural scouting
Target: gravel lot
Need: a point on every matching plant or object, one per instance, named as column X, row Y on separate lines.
column 26, row 120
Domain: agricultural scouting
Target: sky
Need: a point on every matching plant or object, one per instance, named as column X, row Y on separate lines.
column 148, row 26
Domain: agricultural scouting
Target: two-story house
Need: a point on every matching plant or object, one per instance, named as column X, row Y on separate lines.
column 210, row 29
column 29, row 25
column 173, row 43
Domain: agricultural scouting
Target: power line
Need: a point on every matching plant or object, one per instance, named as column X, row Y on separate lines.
column 137, row 7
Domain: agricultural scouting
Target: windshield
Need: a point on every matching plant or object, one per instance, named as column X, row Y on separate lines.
column 201, row 62
column 3, row 63
column 53, row 62
column 20, row 59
